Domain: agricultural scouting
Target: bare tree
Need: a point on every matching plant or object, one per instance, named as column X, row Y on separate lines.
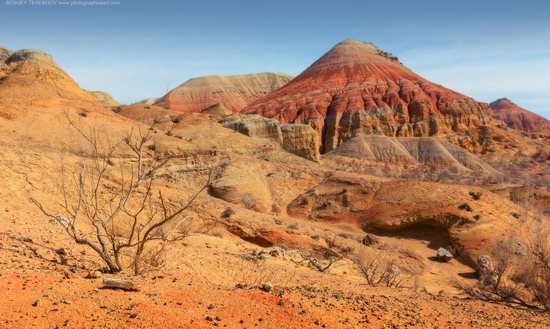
column 517, row 272
column 115, row 209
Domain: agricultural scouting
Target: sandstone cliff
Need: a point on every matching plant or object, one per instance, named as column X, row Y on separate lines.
column 298, row 139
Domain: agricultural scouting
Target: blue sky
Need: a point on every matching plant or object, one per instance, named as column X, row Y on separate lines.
column 140, row 49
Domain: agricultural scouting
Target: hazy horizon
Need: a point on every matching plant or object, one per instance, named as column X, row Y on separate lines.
column 140, row 49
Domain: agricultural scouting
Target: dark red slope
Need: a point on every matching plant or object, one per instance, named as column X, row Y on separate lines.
column 357, row 88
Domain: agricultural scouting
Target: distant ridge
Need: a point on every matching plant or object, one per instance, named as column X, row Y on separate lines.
column 234, row 91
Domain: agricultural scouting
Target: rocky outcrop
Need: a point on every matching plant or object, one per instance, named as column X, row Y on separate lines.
column 217, row 109
column 30, row 54
column 4, row 54
column 298, row 139
column 397, row 205
column 301, row 140
column 104, row 98
column 244, row 185
column 255, row 126
column 356, row 88
column 235, row 91
column 519, row 118
column 147, row 101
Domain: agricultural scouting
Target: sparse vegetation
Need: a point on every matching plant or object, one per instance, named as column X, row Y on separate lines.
column 475, row 195
column 320, row 261
column 227, row 213
column 379, row 269
column 518, row 272
column 466, row 206
column 116, row 211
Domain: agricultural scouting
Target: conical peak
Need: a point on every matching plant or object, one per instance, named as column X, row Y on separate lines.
column 357, row 45
column 502, row 102
column 354, row 60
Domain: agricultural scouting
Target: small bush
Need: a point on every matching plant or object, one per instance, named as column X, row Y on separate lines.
column 466, row 207
column 227, row 213
column 475, row 195
column 293, row 226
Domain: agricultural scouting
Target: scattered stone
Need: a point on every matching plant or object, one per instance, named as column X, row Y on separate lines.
column 444, row 255
column 63, row 251
column 37, row 303
column 267, row 287
column 211, row 306
column 370, row 240
column 93, row 275
column 122, row 284
column 275, row 252
column 209, row 318
column 133, row 315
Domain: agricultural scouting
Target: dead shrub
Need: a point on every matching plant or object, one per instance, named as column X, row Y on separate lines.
column 247, row 274
column 517, row 272
column 380, row 269
column 321, row 261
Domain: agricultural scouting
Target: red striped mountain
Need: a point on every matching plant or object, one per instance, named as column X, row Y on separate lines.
column 519, row 118
column 233, row 91
column 356, row 88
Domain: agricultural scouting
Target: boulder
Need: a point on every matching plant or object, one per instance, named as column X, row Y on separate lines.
column 370, row 240
column 443, row 255
column 121, row 284
column 243, row 185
